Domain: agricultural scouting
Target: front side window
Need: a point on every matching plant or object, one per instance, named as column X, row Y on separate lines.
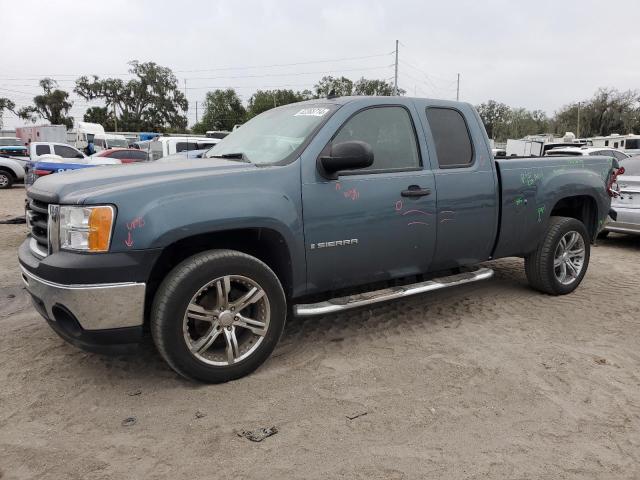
column 275, row 135
column 389, row 131
column 451, row 136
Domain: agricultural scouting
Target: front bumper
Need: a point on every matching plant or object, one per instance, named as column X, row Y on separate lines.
column 91, row 301
column 95, row 307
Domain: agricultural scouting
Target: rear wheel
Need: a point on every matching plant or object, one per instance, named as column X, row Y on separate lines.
column 560, row 262
column 6, row 179
column 218, row 315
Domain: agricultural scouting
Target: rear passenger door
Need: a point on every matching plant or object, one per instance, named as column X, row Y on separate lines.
column 466, row 182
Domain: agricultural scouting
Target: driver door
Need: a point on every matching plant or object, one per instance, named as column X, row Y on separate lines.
column 374, row 223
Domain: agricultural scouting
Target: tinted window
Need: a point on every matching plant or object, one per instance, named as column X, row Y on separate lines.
column 389, row 132
column 451, row 136
column 631, row 166
column 633, row 143
column 606, row 143
column 42, row 149
column 133, row 155
column 65, row 152
column 597, row 153
column 615, row 145
column 186, row 146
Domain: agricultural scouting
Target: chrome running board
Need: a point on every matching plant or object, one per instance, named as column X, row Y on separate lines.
column 361, row 299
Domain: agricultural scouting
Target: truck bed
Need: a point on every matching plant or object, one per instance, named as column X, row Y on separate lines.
column 530, row 192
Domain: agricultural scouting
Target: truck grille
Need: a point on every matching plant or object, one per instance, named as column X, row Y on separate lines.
column 38, row 220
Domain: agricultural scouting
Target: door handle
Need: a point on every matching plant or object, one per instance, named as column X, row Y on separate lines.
column 416, row 191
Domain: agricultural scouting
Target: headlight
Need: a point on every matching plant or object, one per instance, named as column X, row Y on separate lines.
column 86, row 228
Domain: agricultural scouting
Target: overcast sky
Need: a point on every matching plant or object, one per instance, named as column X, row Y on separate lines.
column 534, row 54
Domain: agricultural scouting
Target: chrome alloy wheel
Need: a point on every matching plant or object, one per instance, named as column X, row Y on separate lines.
column 568, row 259
column 226, row 320
column 4, row 180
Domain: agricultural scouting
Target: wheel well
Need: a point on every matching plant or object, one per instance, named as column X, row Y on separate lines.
column 581, row 207
column 262, row 243
column 9, row 171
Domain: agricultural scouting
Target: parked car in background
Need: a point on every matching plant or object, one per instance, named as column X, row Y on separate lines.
column 48, row 164
column 591, row 151
column 217, row 134
column 9, row 141
column 125, row 155
column 11, row 172
column 163, row 146
column 38, row 149
column 17, row 153
column 187, row 155
column 627, row 204
column 105, row 141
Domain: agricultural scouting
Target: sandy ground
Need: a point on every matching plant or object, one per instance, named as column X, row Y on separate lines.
column 492, row 381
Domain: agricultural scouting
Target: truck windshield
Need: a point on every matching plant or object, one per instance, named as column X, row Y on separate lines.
column 273, row 135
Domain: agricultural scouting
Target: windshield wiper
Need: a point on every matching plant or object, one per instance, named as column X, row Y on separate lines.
column 236, row 156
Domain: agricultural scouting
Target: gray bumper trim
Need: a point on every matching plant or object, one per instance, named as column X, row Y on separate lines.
column 96, row 307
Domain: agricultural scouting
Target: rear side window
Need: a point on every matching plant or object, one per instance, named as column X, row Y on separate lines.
column 451, row 136
column 133, row 155
column 186, row 146
column 42, row 150
column 66, row 152
column 389, row 131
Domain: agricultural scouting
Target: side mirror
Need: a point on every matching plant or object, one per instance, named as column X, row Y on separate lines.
column 350, row 155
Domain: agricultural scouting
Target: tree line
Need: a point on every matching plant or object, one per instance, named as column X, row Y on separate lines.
column 151, row 100
column 608, row 111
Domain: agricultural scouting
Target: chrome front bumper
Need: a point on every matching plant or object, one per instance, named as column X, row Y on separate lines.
column 95, row 307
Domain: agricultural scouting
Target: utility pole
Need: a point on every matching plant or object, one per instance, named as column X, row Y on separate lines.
column 196, row 112
column 395, row 81
column 458, row 90
column 578, row 129
column 185, row 97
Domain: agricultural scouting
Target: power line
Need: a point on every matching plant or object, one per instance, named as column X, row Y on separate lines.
column 310, row 62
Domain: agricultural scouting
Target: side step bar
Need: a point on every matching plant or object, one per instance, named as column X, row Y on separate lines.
column 361, row 299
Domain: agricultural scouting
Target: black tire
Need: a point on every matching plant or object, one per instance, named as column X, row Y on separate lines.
column 603, row 234
column 539, row 265
column 181, row 286
column 6, row 179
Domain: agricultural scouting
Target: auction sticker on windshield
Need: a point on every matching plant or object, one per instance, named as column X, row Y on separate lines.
column 312, row 112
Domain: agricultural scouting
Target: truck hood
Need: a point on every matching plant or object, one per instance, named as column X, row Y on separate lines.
column 75, row 187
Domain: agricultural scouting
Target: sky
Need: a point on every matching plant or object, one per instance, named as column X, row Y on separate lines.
column 537, row 55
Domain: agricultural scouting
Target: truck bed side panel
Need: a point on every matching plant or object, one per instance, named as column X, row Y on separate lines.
column 531, row 188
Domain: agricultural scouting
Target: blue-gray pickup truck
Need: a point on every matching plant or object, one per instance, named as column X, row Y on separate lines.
column 307, row 209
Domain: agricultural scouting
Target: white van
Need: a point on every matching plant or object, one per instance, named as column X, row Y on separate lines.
column 163, row 146
column 104, row 141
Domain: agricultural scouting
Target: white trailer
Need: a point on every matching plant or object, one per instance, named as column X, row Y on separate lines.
column 42, row 133
column 83, row 132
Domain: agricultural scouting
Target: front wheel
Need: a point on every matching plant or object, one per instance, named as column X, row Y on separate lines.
column 560, row 262
column 218, row 315
column 6, row 179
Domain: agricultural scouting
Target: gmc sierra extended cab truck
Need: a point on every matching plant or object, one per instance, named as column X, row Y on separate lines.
column 291, row 215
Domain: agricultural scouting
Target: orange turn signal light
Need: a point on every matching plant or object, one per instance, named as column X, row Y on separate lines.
column 100, row 222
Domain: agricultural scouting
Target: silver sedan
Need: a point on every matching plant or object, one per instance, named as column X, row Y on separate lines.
column 627, row 205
